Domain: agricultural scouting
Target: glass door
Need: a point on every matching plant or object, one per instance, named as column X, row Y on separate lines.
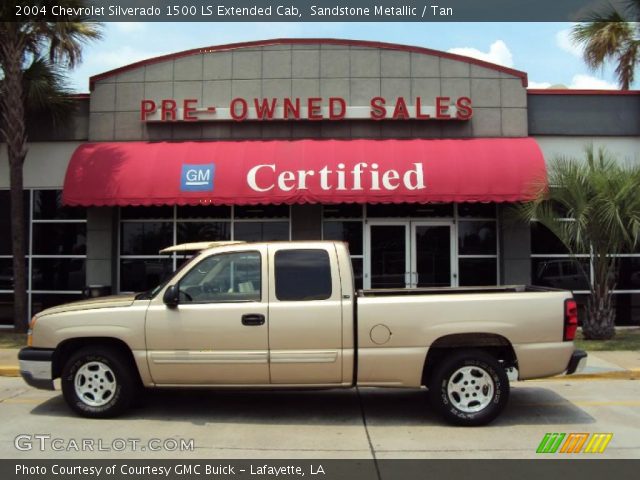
column 388, row 262
column 406, row 254
column 432, row 255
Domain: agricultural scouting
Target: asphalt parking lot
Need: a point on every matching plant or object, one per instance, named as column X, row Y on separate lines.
column 324, row 424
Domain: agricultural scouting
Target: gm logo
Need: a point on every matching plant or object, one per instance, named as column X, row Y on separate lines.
column 197, row 178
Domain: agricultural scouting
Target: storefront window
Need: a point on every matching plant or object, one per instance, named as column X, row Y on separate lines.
column 477, row 244
column 5, row 222
column 145, row 238
column 552, row 266
column 144, row 231
column 477, row 272
column 138, row 275
column 627, row 308
column 564, row 273
column 6, row 274
column 58, row 274
column 262, row 211
column 203, row 231
column 6, row 309
column 344, row 223
column 261, row 231
column 204, row 211
column 628, row 277
column 60, row 238
column 477, row 210
column 477, row 238
column 342, row 210
column 47, row 205
column 407, row 210
column 146, row 213
column 58, row 251
column 345, row 231
column 55, row 248
column 543, row 241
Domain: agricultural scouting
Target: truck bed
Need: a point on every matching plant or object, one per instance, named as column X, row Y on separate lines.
column 385, row 292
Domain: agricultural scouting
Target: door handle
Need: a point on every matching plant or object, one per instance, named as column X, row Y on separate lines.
column 253, row 319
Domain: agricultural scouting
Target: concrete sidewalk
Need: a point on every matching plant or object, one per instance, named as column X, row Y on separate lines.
column 600, row 365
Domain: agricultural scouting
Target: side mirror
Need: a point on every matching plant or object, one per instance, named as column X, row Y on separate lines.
column 171, row 296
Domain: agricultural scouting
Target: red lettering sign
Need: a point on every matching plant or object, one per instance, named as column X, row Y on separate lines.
column 317, row 108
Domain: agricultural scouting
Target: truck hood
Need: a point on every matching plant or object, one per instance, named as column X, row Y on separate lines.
column 92, row 303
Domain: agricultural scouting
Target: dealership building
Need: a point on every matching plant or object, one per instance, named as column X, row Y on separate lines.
column 414, row 157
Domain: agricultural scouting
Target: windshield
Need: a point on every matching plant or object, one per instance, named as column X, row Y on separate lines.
column 149, row 294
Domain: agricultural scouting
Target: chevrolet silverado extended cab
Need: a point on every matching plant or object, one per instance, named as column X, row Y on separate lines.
column 283, row 315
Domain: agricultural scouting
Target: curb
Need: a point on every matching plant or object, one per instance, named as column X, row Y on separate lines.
column 9, row 371
column 633, row 374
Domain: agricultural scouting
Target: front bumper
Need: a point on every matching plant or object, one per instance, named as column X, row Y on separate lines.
column 36, row 367
column 577, row 362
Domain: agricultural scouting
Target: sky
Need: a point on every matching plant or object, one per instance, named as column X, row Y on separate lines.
column 543, row 50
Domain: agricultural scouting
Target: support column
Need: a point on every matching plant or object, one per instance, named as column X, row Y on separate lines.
column 306, row 222
column 100, row 241
column 515, row 246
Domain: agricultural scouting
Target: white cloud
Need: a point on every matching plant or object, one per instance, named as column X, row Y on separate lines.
column 580, row 81
column 563, row 40
column 128, row 27
column 498, row 53
column 538, row 84
column 587, row 82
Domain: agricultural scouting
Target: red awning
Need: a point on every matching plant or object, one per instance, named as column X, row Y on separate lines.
column 304, row 171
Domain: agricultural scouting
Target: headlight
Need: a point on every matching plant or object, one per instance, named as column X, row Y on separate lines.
column 32, row 324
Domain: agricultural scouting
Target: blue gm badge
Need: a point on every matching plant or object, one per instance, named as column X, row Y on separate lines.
column 197, row 178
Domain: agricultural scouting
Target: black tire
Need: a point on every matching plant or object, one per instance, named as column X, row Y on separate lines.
column 117, row 370
column 489, row 402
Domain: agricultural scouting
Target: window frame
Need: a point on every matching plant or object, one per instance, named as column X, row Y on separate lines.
column 209, row 257
column 332, row 274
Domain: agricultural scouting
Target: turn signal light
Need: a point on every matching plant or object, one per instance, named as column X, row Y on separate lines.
column 32, row 324
column 570, row 319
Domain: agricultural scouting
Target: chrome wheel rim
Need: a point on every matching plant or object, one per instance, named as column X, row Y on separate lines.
column 95, row 384
column 470, row 389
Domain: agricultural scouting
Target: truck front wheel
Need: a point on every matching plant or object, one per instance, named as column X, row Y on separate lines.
column 97, row 382
column 469, row 388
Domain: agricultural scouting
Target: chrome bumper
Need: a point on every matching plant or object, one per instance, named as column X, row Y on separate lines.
column 36, row 367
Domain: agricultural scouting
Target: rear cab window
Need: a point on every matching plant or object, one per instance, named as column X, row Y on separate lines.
column 302, row 275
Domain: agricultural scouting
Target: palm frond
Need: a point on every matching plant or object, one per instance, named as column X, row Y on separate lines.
column 612, row 34
column 46, row 94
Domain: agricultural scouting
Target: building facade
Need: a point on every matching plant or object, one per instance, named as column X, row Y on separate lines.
column 413, row 156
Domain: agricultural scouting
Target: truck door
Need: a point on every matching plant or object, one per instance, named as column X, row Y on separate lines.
column 217, row 334
column 305, row 316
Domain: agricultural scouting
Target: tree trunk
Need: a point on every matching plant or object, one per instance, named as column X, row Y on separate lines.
column 14, row 133
column 599, row 324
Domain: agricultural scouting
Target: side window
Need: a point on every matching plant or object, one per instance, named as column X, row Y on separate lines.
column 228, row 277
column 302, row 275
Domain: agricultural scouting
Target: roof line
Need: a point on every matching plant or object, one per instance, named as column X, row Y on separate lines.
column 305, row 41
column 569, row 91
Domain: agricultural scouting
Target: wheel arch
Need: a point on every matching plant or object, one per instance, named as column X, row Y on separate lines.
column 496, row 345
column 68, row 347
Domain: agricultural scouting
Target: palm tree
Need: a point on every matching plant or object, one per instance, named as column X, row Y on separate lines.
column 612, row 34
column 21, row 44
column 599, row 196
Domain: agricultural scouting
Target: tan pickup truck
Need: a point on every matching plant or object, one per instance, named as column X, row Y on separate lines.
column 283, row 315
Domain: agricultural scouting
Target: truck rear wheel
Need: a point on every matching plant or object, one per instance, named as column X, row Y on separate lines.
column 469, row 388
column 97, row 382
